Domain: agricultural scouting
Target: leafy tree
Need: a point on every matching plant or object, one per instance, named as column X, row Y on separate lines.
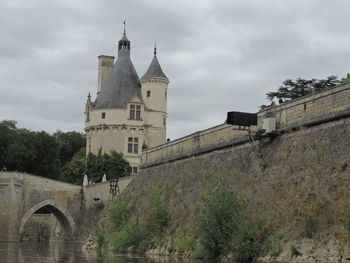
column 21, row 152
column 293, row 89
column 69, row 144
column 110, row 164
column 46, row 162
column 7, row 137
column 73, row 170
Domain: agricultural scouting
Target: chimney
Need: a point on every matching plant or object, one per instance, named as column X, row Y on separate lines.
column 105, row 65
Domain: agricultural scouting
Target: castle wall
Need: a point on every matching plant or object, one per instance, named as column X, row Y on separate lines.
column 198, row 142
column 320, row 107
column 323, row 104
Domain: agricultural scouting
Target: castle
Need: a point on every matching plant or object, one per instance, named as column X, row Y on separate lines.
column 129, row 114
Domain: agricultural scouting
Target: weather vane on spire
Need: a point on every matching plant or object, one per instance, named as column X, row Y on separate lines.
column 124, row 28
column 155, row 48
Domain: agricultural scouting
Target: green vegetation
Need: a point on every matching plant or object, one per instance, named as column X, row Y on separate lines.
column 293, row 251
column 222, row 228
column 251, row 240
column 59, row 156
column 293, row 89
column 136, row 234
column 218, row 220
column 109, row 164
column 36, row 152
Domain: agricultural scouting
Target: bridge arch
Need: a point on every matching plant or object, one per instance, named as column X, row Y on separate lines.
column 62, row 215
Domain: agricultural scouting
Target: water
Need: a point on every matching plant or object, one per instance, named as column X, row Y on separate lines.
column 45, row 252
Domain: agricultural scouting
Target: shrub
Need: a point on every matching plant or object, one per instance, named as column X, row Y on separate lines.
column 219, row 219
column 118, row 213
column 158, row 214
column 310, row 226
column 276, row 246
column 128, row 238
column 251, row 241
column 293, row 251
column 100, row 240
column 185, row 244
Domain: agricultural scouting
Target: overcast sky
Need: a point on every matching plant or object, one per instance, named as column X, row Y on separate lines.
column 220, row 55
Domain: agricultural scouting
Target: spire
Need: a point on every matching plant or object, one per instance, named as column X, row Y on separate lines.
column 124, row 44
column 154, row 70
column 88, row 101
column 122, row 83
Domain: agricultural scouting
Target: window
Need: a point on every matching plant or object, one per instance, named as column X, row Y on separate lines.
column 148, row 93
column 103, row 115
column 133, row 145
column 164, row 122
column 135, row 112
column 134, row 170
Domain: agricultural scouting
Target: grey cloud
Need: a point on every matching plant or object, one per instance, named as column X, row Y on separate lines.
column 219, row 55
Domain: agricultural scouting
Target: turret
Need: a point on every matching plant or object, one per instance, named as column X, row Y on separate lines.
column 154, row 86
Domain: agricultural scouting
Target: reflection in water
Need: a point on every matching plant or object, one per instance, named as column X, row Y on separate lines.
column 45, row 252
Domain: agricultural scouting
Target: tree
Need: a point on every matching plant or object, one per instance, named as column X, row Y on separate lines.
column 69, row 144
column 7, row 134
column 219, row 219
column 345, row 80
column 293, row 89
column 110, row 164
column 73, row 170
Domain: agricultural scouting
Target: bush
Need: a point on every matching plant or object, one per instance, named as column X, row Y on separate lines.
column 118, row 213
column 100, row 240
column 158, row 214
column 293, row 251
column 219, row 219
column 310, row 226
column 251, row 241
column 276, row 246
column 128, row 238
column 185, row 244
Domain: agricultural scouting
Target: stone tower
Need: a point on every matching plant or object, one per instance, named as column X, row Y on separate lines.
column 154, row 86
column 127, row 114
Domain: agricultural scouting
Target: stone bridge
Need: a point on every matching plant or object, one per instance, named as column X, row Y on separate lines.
column 76, row 208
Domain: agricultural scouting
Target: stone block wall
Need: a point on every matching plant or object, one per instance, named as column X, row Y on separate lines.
column 320, row 107
column 98, row 195
column 299, row 112
column 196, row 143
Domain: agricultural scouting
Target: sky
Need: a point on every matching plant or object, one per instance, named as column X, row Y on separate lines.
column 220, row 55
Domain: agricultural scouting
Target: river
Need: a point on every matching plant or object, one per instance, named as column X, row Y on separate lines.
column 54, row 252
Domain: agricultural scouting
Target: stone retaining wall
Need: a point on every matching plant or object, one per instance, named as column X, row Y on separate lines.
column 317, row 108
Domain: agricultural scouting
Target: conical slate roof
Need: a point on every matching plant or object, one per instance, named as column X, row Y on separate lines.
column 122, row 83
column 154, row 69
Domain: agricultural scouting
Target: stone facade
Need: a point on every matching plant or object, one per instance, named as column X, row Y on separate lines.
column 133, row 115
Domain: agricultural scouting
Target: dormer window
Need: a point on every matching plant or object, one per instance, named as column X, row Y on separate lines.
column 135, row 112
